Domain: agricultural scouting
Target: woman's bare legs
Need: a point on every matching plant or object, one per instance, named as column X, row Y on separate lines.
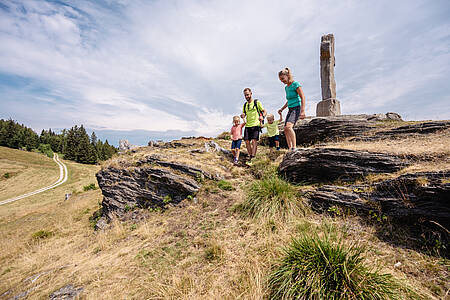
column 290, row 135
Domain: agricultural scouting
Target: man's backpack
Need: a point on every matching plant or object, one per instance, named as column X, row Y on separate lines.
column 247, row 107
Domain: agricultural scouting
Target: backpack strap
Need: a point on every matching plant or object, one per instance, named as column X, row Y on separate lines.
column 255, row 104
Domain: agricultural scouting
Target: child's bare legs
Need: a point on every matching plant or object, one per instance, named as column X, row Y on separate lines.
column 277, row 144
column 236, row 155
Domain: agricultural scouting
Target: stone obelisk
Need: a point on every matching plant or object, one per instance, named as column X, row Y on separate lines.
column 329, row 106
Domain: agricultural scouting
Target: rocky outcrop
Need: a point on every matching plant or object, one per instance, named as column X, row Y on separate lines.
column 145, row 186
column 189, row 170
column 329, row 164
column 419, row 200
column 407, row 131
column 326, row 129
column 124, row 145
column 316, row 130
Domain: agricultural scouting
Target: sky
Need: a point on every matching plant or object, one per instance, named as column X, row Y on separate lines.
column 145, row 70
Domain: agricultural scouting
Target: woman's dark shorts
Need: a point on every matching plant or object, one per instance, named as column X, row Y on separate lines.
column 251, row 133
column 236, row 144
column 273, row 139
column 293, row 115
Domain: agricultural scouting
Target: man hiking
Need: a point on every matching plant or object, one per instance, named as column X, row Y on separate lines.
column 254, row 113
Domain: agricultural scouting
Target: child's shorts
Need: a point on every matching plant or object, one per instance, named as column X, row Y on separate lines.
column 273, row 139
column 236, row 144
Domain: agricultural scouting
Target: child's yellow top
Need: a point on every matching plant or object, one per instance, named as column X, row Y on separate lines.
column 272, row 129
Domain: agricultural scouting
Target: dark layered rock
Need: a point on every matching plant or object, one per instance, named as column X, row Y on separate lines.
column 420, row 201
column 407, row 131
column 329, row 164
column 189, row 170
column 326, row 129
column 144, row 187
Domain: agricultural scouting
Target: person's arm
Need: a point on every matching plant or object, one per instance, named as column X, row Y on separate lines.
column 281, row 109
column 302, row 107
column 281, row 117
column 264, row 112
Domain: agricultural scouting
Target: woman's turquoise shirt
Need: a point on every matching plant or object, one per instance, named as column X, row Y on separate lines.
column 292, row 96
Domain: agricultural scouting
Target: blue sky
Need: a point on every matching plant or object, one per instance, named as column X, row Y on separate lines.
column 164, row 69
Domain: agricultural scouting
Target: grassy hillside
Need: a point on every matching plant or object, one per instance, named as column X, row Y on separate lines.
column 22, row 172
column 203, row 249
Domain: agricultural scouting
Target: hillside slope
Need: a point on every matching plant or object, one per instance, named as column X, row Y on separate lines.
column 203, row 246
column 22, row 172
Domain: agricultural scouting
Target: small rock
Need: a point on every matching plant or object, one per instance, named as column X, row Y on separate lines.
column 67, row 292
column 397, row 265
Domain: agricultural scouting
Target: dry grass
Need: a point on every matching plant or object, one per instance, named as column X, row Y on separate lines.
column 28, row 171
column 195, row 251
column 423, row 146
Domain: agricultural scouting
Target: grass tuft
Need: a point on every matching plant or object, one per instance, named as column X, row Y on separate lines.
column 214, row 253
column 325, row 268
column 225, row 185
column 270, row 197
column 89, row 187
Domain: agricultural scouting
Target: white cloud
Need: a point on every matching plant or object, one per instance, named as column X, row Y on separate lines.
column 182, row 65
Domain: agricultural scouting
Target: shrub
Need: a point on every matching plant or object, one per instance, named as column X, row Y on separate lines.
column 167, row 199
column 225, row 185
column 324, row 268
column 41, row 234
column 6, row 175
column 270, row 197
column 214, row 253
column 224, row 136
column 89, row 187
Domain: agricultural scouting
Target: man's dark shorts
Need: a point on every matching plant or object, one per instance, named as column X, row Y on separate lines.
column 293, row 115
column 251, row 133
column 236, row 144
column 273, row 139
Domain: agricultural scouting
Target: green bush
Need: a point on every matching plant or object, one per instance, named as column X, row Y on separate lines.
column 6, row 175
column 225, row 185
column 324, row 268
column 45, row 149
column 270, row 197
column 89, row 187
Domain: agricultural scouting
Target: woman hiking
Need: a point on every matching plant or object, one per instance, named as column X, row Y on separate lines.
column 296, row 104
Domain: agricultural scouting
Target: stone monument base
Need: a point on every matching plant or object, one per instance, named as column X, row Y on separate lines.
column 330, row 107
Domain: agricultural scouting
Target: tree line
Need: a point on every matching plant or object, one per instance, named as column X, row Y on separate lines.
column 74, row 144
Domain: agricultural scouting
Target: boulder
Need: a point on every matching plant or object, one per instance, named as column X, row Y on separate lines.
column 326, row 129
column 144, row 186
column 189, row 170
column 420, row 201
column 329, row 164
column 124, row 145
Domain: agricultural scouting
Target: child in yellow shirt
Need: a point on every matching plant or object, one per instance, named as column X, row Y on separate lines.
column 272, row 130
